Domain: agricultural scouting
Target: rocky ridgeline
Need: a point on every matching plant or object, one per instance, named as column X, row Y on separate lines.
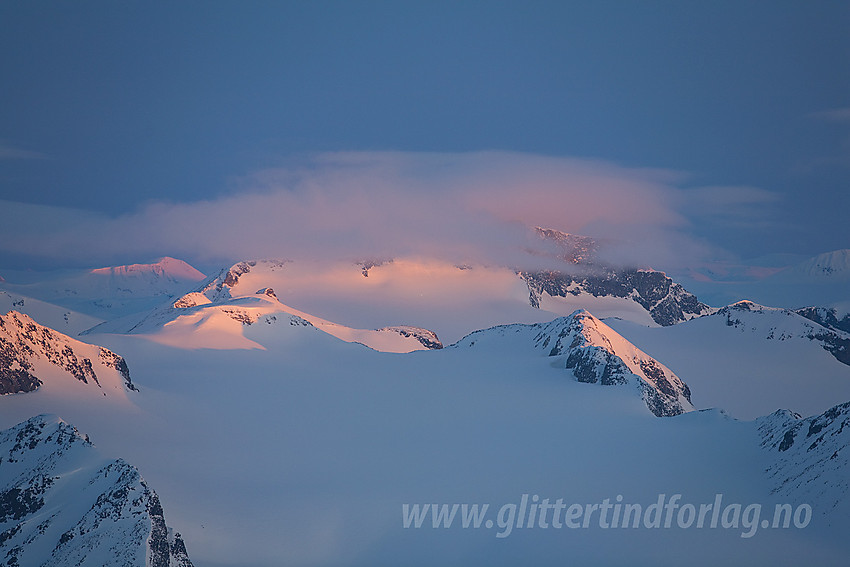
column 666, row 301
column 23, row 343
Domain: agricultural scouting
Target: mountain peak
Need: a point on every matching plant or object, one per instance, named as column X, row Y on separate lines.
column 596, row 354
column 165, row 267
column 32, row 356
column 64, row 504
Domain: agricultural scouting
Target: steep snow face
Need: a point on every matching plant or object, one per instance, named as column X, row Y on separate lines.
column 62, row 503
column 34, row 356
column 665, row 301
column 810, row 456
column 216, row 314
column 596, row 354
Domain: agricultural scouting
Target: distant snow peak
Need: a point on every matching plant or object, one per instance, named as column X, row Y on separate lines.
column 166, row 267
column 62, row 503
column 828, row 265
column 597, row 354
column 30, row 353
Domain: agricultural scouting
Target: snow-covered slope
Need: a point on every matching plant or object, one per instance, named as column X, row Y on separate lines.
column 752, row 360
column 109, row 292
column 304, row 453
column 830, row 265
column 811, row 456
column 60, row 318
column 784, row 324
column 594, row 353
column 62, row 503
column 835, row 317
column 214, row 316
column 36, row 357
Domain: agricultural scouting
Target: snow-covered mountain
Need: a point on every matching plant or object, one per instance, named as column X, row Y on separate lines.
column 109, row 292
column 811, row 456
column 751, row 360
column 829, row 265
column 275, row 440
column 594, row 353
column 663, row 300
column 586, row 283
column 784, row 324
column 33, row 356
column 215, row 313
column 63, row 503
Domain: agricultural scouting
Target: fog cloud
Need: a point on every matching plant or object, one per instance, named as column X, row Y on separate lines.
column 461, row 208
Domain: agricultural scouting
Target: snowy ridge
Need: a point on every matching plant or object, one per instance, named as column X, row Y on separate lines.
column 596, row 354
column 224, row 304
column 785, row 324
column 811, row 455
column 32, row 355
column 62, row 503
column 835, row 317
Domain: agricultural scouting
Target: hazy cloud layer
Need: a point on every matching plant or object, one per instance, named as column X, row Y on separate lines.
column 462, row 208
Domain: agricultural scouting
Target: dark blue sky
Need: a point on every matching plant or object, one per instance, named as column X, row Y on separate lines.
column 107, row 106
